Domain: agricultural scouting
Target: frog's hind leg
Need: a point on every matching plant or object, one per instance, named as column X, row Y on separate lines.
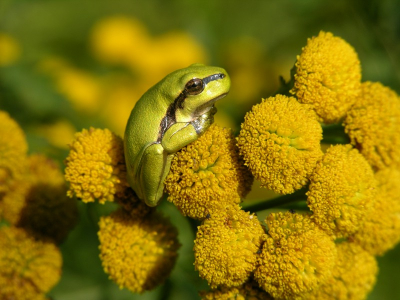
column 154, row 168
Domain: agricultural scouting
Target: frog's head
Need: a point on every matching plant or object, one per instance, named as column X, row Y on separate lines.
column 194, row 90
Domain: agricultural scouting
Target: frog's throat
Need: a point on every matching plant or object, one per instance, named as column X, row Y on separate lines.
column 203, row 108
column 170, row 117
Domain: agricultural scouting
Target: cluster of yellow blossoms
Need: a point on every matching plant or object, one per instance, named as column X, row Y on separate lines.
column 351, row 207
column 35, row 214
column 138, row 246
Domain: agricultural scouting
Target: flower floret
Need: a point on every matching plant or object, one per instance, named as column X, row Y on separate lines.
column 280, row 142
column 207, row 174
column 353, row 276
column 296, row 256
column 138, row 254
column 341, row 190
column 328, row 76
column 95, row 166
column 29, row 268
column 381, row 229
column 226, row 245
column 13, row 152
column 373, row 125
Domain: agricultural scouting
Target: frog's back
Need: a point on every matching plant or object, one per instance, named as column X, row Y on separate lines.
column 143, row 125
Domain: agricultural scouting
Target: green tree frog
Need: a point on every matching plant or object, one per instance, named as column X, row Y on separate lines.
column 169, row 116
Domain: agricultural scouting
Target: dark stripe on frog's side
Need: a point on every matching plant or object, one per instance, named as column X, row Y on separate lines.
column 170, row 117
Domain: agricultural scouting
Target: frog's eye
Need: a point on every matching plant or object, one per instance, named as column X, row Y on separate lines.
column 194, row 86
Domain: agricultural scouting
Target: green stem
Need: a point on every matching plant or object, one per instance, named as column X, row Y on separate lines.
column 166, row 289
column 255, row 206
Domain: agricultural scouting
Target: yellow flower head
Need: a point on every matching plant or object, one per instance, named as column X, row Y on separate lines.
column 39, row 202
column 207, row 174
column 9, row 50
column 137, row 253
column 80, row 87
column 119, row 39
column 248, row 291
column 328, row 76
column 13, row 149
column 59, row 134
column 29, row 268
column 168, row 52
column 226, row 245
column 354, row 275
column 341, row 191
column 373, row 125
column 280, row 142
column 381, row 229
column 296, row 256
column 95, row 166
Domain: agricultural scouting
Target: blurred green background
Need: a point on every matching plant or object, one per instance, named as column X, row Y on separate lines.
column 71, row 64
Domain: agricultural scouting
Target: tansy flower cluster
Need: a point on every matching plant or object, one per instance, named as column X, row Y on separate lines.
column 138, row 246
column 36, row 216
column 346, row 192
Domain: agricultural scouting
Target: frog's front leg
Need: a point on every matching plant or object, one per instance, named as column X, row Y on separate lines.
column 181, row 134
column 154, row 168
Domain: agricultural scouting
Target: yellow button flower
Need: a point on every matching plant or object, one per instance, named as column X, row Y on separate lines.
column 248, row 291
column 296, row 256
column 137, row 253
column 9, row 49
column 39, row 203
column 373, row 125
column 226, row 245
column 80, row 87
column 207, row 174
column 95, row 166
column 13, row 149
column 354, row 275
column 341, row 191
column 280, row 142
column 328, row 76
column 381, row 229
column 119, row 39
column 29, row 268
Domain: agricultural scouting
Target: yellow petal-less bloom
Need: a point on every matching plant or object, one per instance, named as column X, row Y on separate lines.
column 354, row 275
column 95, row 166
column 80, row 87
column 29, row 268
column 373, row 125
column 280, row 142
column 39, row 203
column 296, row 256
column 9, row 49
column 137, row 253
column 341, row 191
column 13, row 152
column 328, row 76
column 381, row 229
column 119, row 39
column 208, row 174
column 248, row 291
column 168, row 52
column 59, row 133
column 226, row 245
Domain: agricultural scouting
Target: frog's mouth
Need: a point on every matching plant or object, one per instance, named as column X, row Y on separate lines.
column 205, row 107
